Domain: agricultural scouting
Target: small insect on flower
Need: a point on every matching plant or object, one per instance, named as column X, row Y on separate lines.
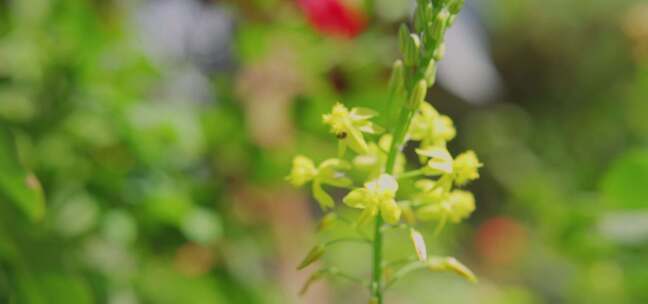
column 377, row 195
column 348, row 126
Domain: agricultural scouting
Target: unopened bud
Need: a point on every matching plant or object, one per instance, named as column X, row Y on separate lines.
column 455, row 6
column 420, row 18
column 439, row 25
column 439, row 52
column 403, row 37
column 397, row 79
column 412, row 50
column 430, row 72
column 418, row 95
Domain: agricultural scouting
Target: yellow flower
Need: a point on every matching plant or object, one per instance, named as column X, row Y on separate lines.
column 377, row 195
column 329, row 172
column 348, row 126
column 303, row 171
column 456, row 206
column 440, row 161
column 432, row 192
column 430, row 127
column 466, row 167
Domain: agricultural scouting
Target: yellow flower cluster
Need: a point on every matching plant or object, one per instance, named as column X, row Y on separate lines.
column 436, row 199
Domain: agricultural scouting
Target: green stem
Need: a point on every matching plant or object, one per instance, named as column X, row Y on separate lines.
column 399, row 135
column 376, row 279
column 411, row 174
column 415, row 265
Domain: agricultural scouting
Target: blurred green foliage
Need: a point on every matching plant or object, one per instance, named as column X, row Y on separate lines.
column 110, row 195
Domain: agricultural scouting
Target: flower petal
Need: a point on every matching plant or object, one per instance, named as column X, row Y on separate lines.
column 357, row 198
column 359, row 113
column 323, row 198
column 390, row 211
column 384, row 183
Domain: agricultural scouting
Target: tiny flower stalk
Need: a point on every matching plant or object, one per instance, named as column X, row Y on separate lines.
column 370, row 163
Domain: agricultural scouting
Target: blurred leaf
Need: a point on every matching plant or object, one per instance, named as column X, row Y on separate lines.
column 625, row 182
column 313, row 255
column 314, row 277
column 61, row 288
column 163, row 285
column 202, row 226
column 18, row 185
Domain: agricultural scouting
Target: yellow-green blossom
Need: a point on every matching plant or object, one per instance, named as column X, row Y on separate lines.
column 455, row 206
column 303, row 171
column 348, row 126
column 377, row 195
column 430, row 127
column 329, row 172
column 431, row 192
column 466, row 167
column 440, row 161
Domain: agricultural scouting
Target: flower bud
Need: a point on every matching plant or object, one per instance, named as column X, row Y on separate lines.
column 412, row 50
column 397, row 79
column 455, row 6
column 439, row 25
column 420, row 18
column 439, row 52
column 403, row 37
column 418, row 95
column 430, row 72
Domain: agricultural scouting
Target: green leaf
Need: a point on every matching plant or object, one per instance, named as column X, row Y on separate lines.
column 313, row 255
column 17, row 185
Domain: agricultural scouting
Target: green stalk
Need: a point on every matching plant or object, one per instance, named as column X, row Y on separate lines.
column 376, row 279
column 399, row 135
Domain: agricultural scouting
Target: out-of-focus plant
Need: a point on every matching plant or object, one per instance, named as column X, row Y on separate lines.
column 376, row 161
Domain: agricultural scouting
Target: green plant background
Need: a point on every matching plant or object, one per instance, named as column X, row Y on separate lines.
column 110, row 195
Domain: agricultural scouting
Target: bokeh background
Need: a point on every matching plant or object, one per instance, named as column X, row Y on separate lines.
column 144, row 144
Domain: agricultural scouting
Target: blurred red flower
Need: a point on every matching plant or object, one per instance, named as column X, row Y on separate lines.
column 333, row 18
column 501, row 241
